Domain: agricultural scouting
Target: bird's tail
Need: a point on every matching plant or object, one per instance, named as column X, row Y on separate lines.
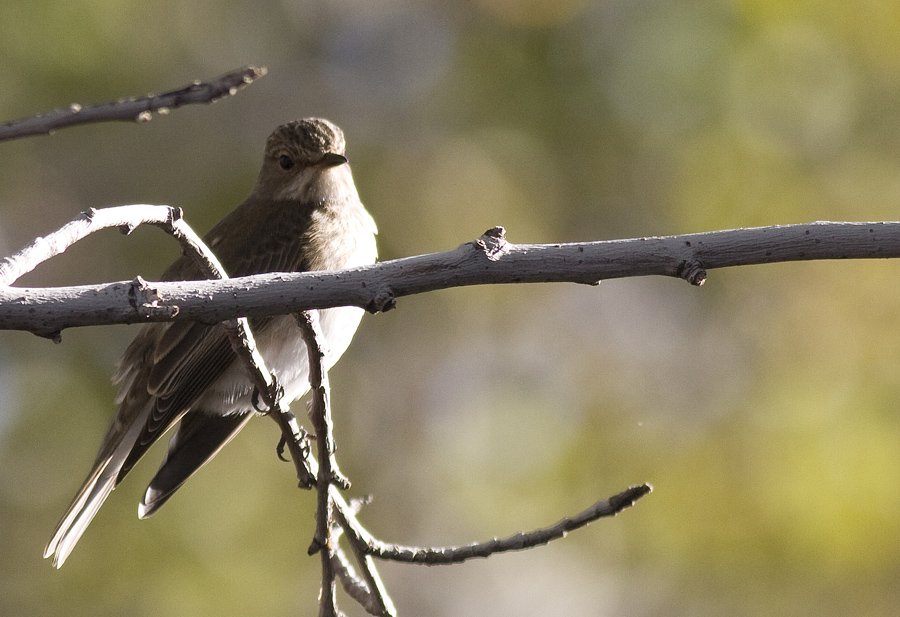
column 84, row 507
column 96, row 488
column 198, row 439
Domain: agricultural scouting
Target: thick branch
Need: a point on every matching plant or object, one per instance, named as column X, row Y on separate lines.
column 488, row 260
column 134, row 109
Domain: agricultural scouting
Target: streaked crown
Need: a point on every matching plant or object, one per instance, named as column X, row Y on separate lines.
column 305, row 141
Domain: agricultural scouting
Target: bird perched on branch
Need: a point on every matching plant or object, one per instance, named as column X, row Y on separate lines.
column 303, row 214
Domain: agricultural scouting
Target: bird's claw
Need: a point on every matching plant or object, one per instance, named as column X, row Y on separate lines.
column 274, row 395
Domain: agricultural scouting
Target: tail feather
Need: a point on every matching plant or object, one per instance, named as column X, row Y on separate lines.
column 85, row 505
column 198, row 439
column 96, row 488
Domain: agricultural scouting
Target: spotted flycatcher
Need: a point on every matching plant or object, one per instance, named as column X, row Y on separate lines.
column 303, row 214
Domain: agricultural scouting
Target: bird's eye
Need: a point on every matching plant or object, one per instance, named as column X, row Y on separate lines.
column 285, row 161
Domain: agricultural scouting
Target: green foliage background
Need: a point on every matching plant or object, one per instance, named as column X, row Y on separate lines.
column 762, row 407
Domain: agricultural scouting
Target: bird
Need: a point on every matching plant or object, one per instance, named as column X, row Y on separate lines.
column 304, row 213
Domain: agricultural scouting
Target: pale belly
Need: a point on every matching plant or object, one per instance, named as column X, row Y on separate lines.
column 285, row 354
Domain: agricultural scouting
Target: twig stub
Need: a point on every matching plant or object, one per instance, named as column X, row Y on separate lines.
column 382, row 302
column 692, row 271
column 493, row 243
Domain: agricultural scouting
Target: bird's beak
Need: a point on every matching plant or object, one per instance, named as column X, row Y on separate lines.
column 332, row 160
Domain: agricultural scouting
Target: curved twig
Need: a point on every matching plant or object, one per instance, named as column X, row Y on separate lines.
column 148, row 301
column 518, row 542
column 126, row 218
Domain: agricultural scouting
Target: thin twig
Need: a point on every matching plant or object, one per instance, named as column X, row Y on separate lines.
column 517, row 542
column 320, row 410
column 126, row 218
column 134, row 109
column 324, row 540
column 379, row 602
column 352, row 584
column 331, row 504
column 308, row 322
column 244, row 346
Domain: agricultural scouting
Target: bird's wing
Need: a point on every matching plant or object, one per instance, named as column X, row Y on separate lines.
column 177, row 380
column 188, row 357
column 169, row 365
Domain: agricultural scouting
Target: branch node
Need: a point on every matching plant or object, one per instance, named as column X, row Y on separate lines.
column 315, row 546
column 383, row 301
column 692, row 271
column 139, row 284
column 339, row 480
column 146, row 300
column 89, row 214
column 493, row 243
column 175, row 214
column 53, row 335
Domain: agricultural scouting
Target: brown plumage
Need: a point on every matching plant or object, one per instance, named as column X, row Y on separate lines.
column 303, row 214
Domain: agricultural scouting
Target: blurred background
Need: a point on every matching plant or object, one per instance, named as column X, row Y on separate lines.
column 763, row 407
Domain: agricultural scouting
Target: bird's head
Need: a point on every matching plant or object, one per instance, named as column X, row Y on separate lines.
column 301, row 158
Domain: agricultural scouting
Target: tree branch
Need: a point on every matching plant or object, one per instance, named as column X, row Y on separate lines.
column 355, row 587
column 368, row 590
column 324, row 541
column 150, row 302
column 147, row 300
column 488, row 260
column 125, row 218
column 134, row 109
column 377, row 600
